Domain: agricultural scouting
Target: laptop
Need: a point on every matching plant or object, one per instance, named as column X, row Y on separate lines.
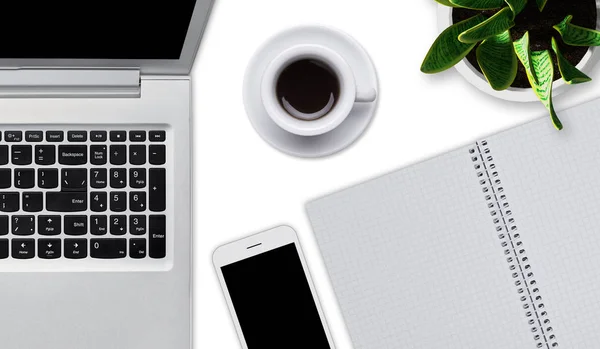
column 95, row 185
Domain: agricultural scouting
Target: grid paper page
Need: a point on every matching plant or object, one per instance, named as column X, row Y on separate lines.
column 552, row 180
column 416, row 263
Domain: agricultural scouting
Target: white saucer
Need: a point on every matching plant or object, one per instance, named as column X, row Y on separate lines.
column 315, row 146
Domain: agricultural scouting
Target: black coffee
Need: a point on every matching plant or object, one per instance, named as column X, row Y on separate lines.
column 308, row 89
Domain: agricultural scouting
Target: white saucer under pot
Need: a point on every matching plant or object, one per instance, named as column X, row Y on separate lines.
column 328, row 143
column 473, row 76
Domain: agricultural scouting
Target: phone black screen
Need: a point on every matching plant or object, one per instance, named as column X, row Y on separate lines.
column 273, row 301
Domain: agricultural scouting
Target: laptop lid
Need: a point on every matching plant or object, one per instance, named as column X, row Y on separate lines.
column 158, row 37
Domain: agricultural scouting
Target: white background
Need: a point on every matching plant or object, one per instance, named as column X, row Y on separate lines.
column 243, row 186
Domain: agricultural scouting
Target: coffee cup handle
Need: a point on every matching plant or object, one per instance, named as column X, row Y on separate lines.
column 366, row 96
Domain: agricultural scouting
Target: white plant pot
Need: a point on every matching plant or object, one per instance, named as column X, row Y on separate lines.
column 473, row 76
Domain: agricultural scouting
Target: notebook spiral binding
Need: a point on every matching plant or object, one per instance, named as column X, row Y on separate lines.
column 510, row 240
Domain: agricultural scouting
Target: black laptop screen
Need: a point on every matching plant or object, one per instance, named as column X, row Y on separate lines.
column 94, row 29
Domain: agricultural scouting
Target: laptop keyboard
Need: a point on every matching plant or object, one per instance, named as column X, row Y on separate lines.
column 83, row 194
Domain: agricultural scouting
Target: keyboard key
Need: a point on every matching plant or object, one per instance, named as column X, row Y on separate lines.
column 21, row 155
column 98, row 201
column 108, row 248
column 72, row 155
column 49, row 248
column 49, row 225
column 74, row 179
column 158, row 241
column 4, row 225
column 4, row 155
column 23, row 248
column 98, row 136
column 137, row 248
column 5, row 178
column 77, row 136
column 118, row 154
column 118, row 178
column 118, row 136
column 118, row 225
column 23, row 225
column 98, row 178
column 75, row 225
column 45, row 155
column 118, row 201
column 66, row 202
column 9, row 202
column 157, row 194
column 137, row 178
column 137, row 225
column 76, row 248
column 98, row 155
column 158, row 136
column 3, row 248
column 34, row 136
column 98, row 225
column 48, row 178
column 13, row 136
column 33, row 202
column 137, row 201
column 25, row 178
column 55, row 136
column 137, row 136
column 137, row 154
column 158, row 155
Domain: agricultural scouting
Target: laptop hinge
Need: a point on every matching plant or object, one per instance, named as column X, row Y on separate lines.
column 69, row 83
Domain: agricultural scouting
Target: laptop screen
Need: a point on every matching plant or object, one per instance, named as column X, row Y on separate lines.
column 94, row 29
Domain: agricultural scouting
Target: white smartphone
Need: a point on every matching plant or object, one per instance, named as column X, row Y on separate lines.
column 270, row 294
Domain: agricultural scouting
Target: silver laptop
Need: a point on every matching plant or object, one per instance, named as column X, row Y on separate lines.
column 95, row 187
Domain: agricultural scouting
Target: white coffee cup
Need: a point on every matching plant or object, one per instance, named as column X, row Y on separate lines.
column 350, row 93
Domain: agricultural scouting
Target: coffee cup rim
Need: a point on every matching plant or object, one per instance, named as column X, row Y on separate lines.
column 340, row 111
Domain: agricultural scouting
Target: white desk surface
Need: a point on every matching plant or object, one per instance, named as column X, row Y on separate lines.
column 243, row 186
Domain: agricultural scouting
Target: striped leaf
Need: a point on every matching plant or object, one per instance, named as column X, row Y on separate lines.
column 478, row 4
column 516, row 6
column 446, row 51
column 495, row 25
column 445, row 3
column 543, row 68
column 524, row 54
column 542, row 4
column 569, row 73
column 498, row 61
column 575, row 35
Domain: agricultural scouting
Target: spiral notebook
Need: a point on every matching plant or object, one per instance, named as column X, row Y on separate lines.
column 495, row 245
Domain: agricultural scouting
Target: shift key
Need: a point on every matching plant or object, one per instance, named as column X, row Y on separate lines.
column 66, row 201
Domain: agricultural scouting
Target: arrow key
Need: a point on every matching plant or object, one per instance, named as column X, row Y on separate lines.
column 23, row 248
column 49, row 225
column 76, row 248
column 49, row 248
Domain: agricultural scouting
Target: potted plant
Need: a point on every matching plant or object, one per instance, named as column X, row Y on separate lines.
column 515, row 46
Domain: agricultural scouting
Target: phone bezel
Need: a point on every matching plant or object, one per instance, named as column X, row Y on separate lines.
column 255, row 245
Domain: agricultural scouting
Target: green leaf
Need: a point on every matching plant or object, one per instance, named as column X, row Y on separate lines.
column 478, row 4
column 498, row 61
column 495, row 25
column 542, row 4
column 516, row 6
column 543, row 68
column 445, row 3
column 569, row 73
column 446, row 51
column 575, row 35
column 524, row 54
